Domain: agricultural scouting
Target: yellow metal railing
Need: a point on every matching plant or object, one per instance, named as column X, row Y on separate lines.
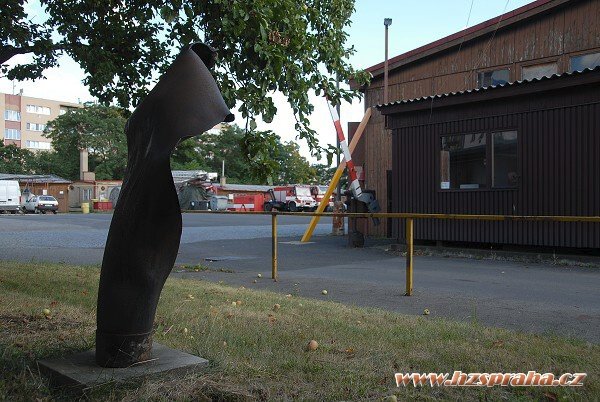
column 410, row 217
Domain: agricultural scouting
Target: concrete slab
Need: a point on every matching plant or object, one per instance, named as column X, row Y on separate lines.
column 79, row 371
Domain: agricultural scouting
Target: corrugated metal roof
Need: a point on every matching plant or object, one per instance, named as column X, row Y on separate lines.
column 35, row 178
column 489, row 88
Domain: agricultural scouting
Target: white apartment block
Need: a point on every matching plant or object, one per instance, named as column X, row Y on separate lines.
column 24, row 118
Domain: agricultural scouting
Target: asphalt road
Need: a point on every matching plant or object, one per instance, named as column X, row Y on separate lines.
column 531, row 297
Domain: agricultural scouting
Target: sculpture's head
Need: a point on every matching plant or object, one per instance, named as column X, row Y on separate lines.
column 186, row 100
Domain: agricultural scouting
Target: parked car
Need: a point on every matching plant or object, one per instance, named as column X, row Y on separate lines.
column 10, row 196
column 41, row 203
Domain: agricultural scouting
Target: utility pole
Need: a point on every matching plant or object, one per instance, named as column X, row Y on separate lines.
column 337, row 223
column 338, row 196
column 387, row 22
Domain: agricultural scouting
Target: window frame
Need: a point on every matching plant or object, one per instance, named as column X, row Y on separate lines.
column 587, row 52
column 29, row 126
column 489, row 157
column 539, row 64
column 6, row 130
column 38, row 109
column 44, row 148
column 491, row 70
column 7, row 111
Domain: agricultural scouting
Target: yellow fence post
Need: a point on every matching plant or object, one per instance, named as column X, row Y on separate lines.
column 274, row 246
column 409, row 256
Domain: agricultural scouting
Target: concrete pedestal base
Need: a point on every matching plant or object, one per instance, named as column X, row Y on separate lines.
column 79, row 371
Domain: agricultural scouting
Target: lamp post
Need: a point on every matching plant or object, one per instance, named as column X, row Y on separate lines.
column 387, row 22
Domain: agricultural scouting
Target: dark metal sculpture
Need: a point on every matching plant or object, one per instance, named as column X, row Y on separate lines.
column 144, row 234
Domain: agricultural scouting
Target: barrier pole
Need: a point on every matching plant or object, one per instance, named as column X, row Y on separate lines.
column 409, row 256
column 274, row 274
column 336, row 178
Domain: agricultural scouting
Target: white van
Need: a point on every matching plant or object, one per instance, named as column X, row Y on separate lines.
column 10, row 196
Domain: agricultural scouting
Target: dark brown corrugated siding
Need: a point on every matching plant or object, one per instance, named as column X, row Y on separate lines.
column 555, row 35
column 558, row 153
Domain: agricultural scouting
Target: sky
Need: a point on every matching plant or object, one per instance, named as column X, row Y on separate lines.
column 414, row 23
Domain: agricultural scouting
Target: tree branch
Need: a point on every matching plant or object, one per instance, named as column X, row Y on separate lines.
column 7, row 52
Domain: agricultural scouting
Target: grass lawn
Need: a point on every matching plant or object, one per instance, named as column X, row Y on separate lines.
column 258, row 353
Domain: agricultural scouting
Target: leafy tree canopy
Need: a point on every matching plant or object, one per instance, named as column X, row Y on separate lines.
column 324, row 173
column 15, row 160
column 100, row 129
column 294, row 168
column 282, row 163
column 264, row 46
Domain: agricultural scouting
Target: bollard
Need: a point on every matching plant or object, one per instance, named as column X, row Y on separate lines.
column 274, row 274
column 409, row 257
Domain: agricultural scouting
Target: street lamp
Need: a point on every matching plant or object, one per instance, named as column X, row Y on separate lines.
column 387, row 22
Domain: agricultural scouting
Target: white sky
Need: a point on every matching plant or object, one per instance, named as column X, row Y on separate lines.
column 414, row 24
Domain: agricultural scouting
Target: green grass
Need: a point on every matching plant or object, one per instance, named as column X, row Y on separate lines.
column 258, row 353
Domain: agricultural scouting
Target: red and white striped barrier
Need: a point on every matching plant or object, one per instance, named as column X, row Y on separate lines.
column 354, row 184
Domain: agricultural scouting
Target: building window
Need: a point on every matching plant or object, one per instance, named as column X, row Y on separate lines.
column 37, row 144
column 12, row 115
column 581, row 62
column 65, row 109
column 539, row 71
column 36, row 127
column 504, row 162
column 38, row 109
column 464, row 161
column 86, row 194
column 494, row 77
column 12, row 134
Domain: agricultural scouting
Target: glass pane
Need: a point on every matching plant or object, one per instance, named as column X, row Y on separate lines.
column 463, row 162
column 579, row 63
column 496, row 77
column 505, row 159
column 539, row 71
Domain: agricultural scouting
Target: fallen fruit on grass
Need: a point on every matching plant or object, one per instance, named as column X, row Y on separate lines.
column 312, row 346
column 254, row 281
column 190, row 297
column 224, row 343
column 46, row 312
column 276, row 307
column 259, row 275
column 426, row 311
column 323, row 292
column 288, row 295
column 185, row 331
column 238, row 302
column 233, row 303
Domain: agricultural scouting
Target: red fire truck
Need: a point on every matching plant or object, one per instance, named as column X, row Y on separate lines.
column 291, row 198
column 247, row 202
column 318, row 193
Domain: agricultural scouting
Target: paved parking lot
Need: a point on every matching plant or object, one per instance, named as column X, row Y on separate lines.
column 532, row 297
